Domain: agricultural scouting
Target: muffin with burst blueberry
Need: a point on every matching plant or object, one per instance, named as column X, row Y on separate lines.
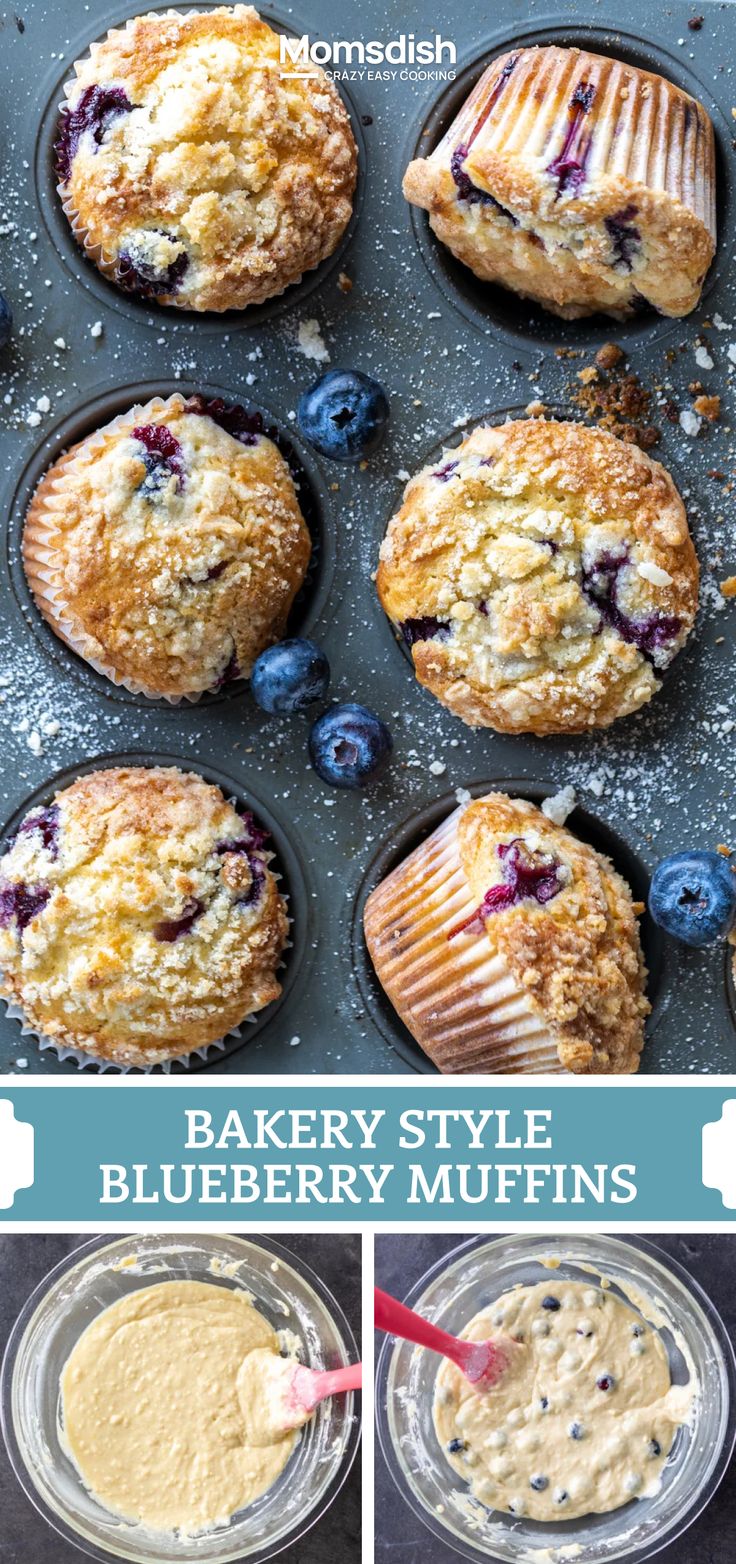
column 139, row 916
column 507, row 945
column 542, row 575
column 195, row 167
column 576, row 180
column 167, row 547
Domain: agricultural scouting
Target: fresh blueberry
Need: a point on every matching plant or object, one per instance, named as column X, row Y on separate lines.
column 605, row 1382
column 655, row 1448
column 693, row 897
column 575, row 1430
column 21, row 903
column 544, row 1402
column 169, row 930
column 290, row 677
column 551, row 1303
column 344, row 415
column 539, row 1483
column 6, row 322
column 349, row 746
column 456, row 1446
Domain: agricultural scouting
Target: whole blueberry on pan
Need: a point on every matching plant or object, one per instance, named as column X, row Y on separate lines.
column 349, row 746
column 6, row 322
column 290, row 676
column 344, row 415
column 693, row 897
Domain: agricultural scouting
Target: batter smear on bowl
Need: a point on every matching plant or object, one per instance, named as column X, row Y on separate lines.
column 585, row 1417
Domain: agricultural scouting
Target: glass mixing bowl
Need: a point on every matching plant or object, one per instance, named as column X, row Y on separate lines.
column 467, row 1280
column 97, row 1275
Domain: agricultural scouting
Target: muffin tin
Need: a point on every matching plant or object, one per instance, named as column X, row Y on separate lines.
column 449, row 352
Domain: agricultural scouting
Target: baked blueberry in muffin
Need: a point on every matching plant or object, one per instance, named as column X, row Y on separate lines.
column 542, row 575
column 578, row 181
column 167, row 547
column 197, row 169
column 508, row 945
column 139, row 916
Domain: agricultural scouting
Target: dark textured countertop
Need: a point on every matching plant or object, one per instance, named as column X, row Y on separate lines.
column 400, row 1537
column 25, row 1538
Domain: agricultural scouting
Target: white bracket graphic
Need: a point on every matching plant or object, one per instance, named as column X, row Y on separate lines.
column 16, row 1154
column 719, row 1154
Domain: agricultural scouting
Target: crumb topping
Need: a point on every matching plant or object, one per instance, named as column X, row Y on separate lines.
column 167, row 549
column 543, row 576
column 146, row 923
column 198, row 169
column 576, row 954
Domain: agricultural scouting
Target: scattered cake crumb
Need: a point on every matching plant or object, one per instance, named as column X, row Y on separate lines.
column 311, row 342
column 560, row 805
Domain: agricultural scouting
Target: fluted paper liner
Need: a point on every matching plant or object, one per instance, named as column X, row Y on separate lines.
column 456, row 996
column 44, row 567
column 638, row 129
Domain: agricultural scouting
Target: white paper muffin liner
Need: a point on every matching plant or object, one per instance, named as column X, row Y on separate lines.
column 40, row 555
column 648, row 132
column 456, row 995
column 85, row 1060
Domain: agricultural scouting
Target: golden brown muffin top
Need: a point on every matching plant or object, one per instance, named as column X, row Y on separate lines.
column 175, row 546
column 198, row 169
column 543, row 575
column 139, row 918
column 563, row 919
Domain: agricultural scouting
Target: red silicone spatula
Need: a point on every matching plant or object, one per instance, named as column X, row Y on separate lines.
column 307, row 1387
column 482, row 1362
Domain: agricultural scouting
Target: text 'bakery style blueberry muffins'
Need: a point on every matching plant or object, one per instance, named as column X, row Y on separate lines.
column 508, row 945
column 139, row 917
column 578, row 181
column 197, row 169
column 543, row 575
column 167, row 548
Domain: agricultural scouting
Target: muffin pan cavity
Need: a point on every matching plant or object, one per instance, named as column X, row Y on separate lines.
column 659, row 955
column 311, row 598
column 288, row 864
column 492, row 309
column 146, row 311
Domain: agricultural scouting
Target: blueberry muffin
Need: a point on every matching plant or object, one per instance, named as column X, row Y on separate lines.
column 198, row 170
column 543, row 576
column 508, row 945
column 139, row 917
column 167, row 547
column 578, row 181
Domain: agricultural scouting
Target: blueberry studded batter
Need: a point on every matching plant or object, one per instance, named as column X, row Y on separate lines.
column 585, row 1417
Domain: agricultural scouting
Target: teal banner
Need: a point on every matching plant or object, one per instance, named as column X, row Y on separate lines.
column 367, row 1153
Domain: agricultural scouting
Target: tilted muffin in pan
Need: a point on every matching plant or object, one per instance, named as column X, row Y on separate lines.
column 576, row 180
column 167, row 547
column 543, row 575
column 139, row 917
column 198, row 169
column 508, row 945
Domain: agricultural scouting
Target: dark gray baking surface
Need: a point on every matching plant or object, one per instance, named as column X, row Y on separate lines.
column 661, row 780
column 25, row 1537
column 400, row 1261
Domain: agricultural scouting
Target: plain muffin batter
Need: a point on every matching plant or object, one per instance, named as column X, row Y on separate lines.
column 584, row 1418
column 151, row 1411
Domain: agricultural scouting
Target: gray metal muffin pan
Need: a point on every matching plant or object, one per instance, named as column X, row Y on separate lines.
column 449, row 352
